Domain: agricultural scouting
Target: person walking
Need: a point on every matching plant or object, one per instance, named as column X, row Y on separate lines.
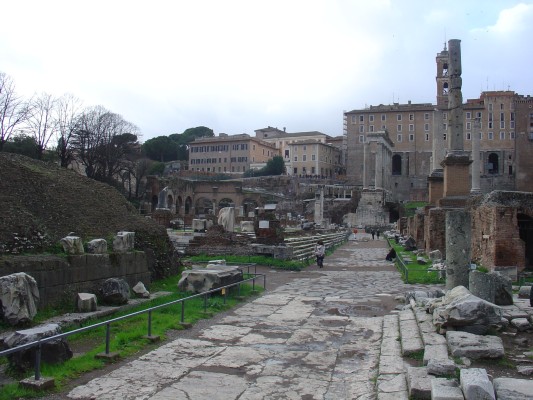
column 320, row 251
column 378, row 233
column 373, row 233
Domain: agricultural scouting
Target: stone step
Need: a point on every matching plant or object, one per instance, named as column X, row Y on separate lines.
column 419, row 383
column 445, row 389
column 409, row 333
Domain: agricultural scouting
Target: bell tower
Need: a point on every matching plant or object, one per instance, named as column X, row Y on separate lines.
column 443, row 79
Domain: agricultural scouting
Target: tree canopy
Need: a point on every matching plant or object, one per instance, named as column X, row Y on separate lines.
column 175, row 146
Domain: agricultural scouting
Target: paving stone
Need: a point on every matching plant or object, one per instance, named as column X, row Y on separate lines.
column 476, row 385
column 445, row 389
column 418, row 383
column 513, row 389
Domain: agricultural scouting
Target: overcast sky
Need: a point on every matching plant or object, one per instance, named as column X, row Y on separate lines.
column 240, row 65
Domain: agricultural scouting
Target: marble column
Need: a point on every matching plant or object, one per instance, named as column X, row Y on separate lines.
column 379, row 166
column 476, row 185
column 458, row 248
column 365, row 161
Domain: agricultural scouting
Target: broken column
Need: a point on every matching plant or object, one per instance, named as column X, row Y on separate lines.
column 476, row 186
column 458, row 251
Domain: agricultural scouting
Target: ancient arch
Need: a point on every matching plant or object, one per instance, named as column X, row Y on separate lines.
column 188, row 205
column 226, row 202
column 525, row 228
column 203, row 205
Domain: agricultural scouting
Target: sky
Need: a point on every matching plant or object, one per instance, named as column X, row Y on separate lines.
column 240, row 65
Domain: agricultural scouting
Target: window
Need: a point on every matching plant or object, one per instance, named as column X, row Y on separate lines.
column 493, row 163
column 361, row 128
column 396, row 164
column 502, row 135
column 444, row 136
column 427, row 137
column 354, row 119
column 383, row 127
column 371, row 128
column 468, row 115
column 468, row 136
column 361, row 118
column 501, row 106
column 411, row 137
column 398, row 128
column 478, row 114
column 445, row 127
column 313, row 157
column 511, row 135
column 361, row 138
column 426, row 116
column 444, row 116
column 490, row 106
column 426, row 127
column 304, row 157
column 399, row 137
column 383, row 117
column 313, row 171
column 295, row 170
column 469, row 126
column 398, row 117
column 295, row 158
column 490, row 125
column 502, row 124
column 370, row 118
column 490, row 136
column 411, row 127
column 411, row 117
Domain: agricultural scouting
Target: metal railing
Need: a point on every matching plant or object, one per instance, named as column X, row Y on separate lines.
column 108, row 323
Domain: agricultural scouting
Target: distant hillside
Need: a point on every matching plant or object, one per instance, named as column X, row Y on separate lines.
column 40, row 203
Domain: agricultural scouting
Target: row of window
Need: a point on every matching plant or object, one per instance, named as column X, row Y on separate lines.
column 399, row 128
column 411, row 117
column 490, row 136
column 214, row 160
column 220, row 169
column 220, row 148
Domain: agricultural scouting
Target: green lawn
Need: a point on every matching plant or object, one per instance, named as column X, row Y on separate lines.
column 416, row 272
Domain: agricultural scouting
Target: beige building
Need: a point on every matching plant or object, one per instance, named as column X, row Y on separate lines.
column 287, row 143
column 419, row 136
column 229, row 154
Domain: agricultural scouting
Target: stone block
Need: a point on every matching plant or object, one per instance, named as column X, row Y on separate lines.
column 124, row 242
column 513, row 389
column 115, row 291
column 521, row 324
column 72, row 245
column 481, row 285
column 19, row 296
column 97, row 246
column 441, row 367
column 202, row 280
column 445, row 389
column 464, row 344
column 524, row 292
column 476, row 384
column 86, row 302
column 140, row 290
column 418, row 383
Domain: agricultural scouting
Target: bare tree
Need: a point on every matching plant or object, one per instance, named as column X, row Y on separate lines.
column 67, row 115
column 42, row 121
column 13, row 109
column 102, row 142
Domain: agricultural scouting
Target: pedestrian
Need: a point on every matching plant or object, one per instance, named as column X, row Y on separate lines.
column 320, row 251
column 378, row 233
column 373, row 233
column 391, row 254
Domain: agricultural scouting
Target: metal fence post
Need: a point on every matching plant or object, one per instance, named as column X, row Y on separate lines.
column 183, row 311
column 107, row 337
column 150, row 323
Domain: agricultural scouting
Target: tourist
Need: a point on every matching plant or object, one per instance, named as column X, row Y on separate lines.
column 391, row 255
column 378, row 233
column 320, row 251
column 373, row 233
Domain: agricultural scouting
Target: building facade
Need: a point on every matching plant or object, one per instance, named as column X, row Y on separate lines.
column 313, row 158
column 229, row 154
column 419, row 135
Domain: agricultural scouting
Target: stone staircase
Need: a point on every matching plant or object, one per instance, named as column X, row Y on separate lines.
column 406, row 335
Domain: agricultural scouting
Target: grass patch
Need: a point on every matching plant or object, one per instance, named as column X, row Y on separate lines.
column 417, row 355
column 504, row 362
column 127, row 336
column 259, row 260
column 417, row 273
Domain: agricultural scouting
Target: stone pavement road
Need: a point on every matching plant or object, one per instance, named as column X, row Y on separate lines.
column 316, row 337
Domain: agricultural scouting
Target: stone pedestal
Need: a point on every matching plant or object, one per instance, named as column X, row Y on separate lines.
column 456, row 174
column 458, row 250
column 436, row 186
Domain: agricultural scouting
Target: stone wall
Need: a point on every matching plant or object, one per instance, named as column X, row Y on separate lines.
column 60, row 279
column 435, row 230
column 495, row 237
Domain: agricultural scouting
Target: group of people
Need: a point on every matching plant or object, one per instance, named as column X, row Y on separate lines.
column 375, row 233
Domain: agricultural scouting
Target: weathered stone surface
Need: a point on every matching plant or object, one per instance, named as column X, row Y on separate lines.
column 503, row 290
column 458, row 248
column 524, row 291
column 435, row 352
column 115, row 291
column 445, row 389
column 474, row 346
column 513, row 389
column 53, row 351
column 521, row 324
column 86, row 302
column 435, row 255
column 124, row 242
column 19, row 297
column 199, row 225
column 97, row 246
column 526, row 370
column 409, row 333
column 202, row 280
column 226, row 218
column 476, row 385
column 140, row 290
column 247, row 226
column 481, row 285
column 462, row 310
column 418, row 383
column 72, row 245
column 441, row 367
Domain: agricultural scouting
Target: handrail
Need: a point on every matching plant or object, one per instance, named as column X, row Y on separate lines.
column 107, row 323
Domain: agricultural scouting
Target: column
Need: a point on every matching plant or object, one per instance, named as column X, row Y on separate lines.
column 379, row 166
column 458, row 248
column 365, row 161
column 476, row 186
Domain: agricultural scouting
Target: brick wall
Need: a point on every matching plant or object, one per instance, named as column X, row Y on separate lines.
column 435, row 230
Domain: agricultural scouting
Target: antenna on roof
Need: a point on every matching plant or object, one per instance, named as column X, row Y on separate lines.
column 445, row 39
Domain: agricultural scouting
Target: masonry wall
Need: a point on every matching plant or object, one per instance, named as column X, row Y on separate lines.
column 435, row 230
column 60, row 279
column 495, row 237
